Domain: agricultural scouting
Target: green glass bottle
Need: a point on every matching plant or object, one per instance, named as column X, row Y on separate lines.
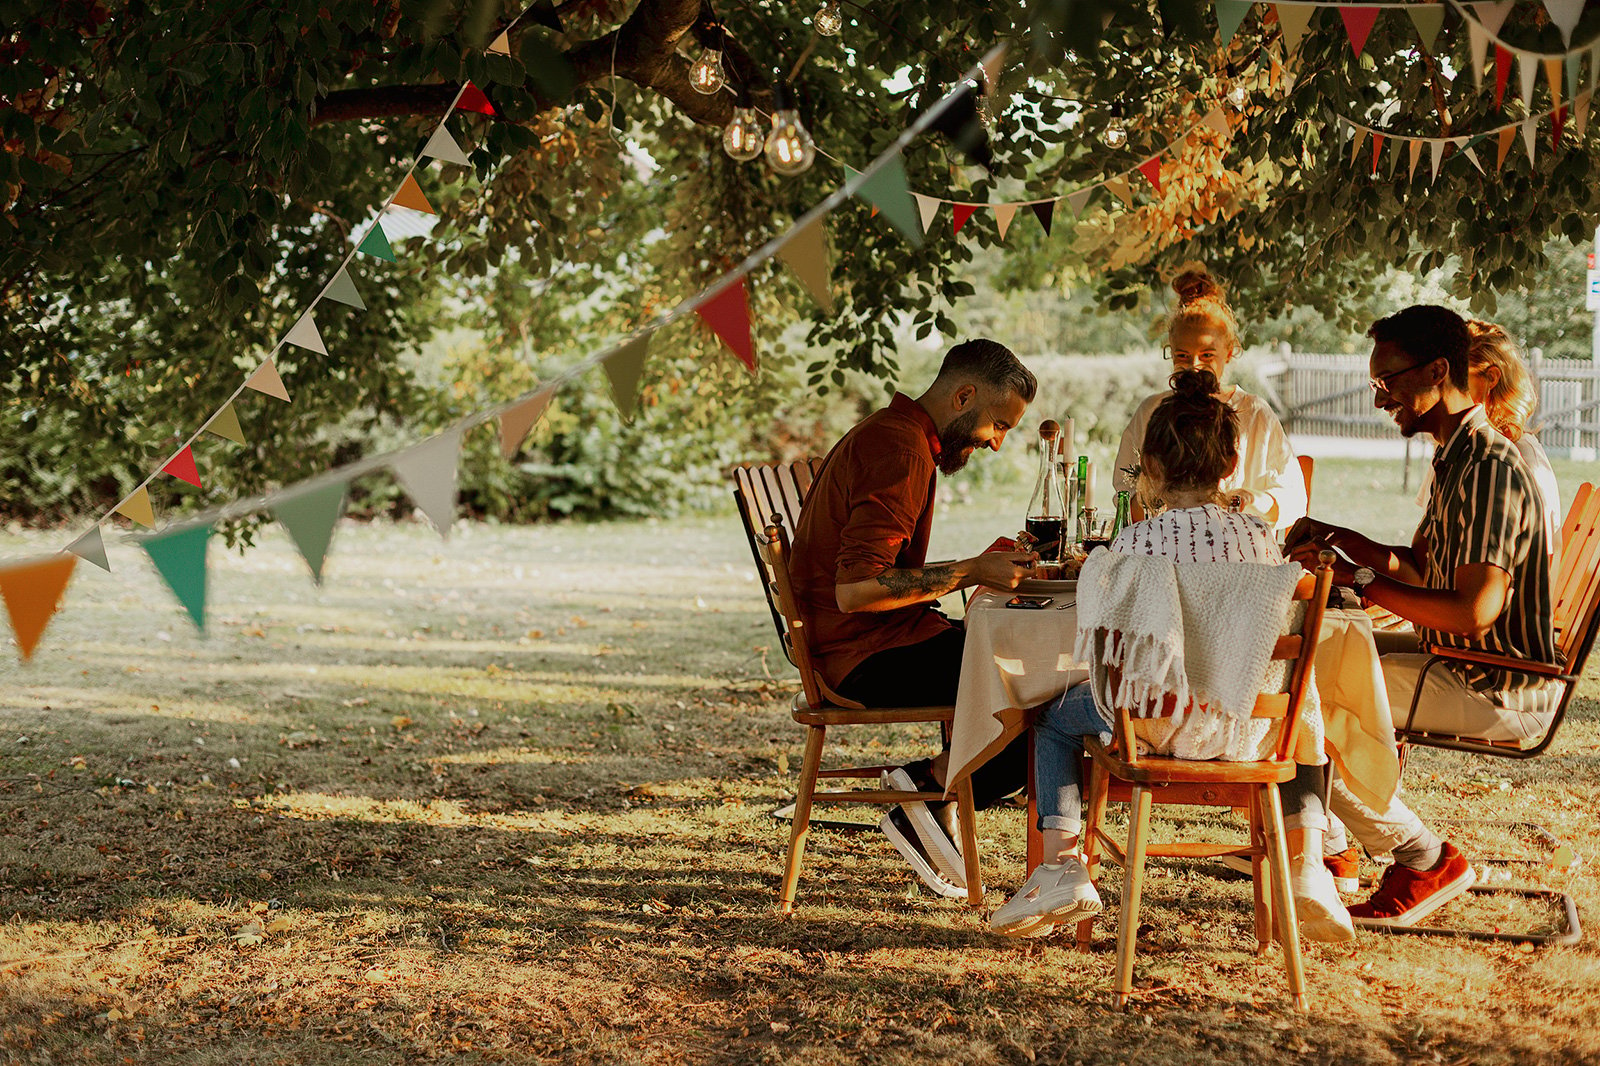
column 1123, row 517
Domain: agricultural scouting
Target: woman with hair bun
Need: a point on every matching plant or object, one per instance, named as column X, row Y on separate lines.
column 1202, row 335
column 1498, row 379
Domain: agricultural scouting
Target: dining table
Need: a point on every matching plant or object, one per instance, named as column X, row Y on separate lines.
column 1016, row 661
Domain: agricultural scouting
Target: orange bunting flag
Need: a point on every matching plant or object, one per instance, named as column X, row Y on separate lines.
column 266, row 380
column 1502, row 73
column 515, row 422
column 1507, row 135
column 472, row 99
column 959, row 213
column 1003, row 214
column 33, row 593
column 1358, row 22
column 1377, row 150
column 137, row 508
column 410, row 196
column 181, row 466
column 728, row 315
column 1151, row 169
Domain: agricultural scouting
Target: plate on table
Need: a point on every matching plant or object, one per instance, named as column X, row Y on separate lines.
column 1038, row 586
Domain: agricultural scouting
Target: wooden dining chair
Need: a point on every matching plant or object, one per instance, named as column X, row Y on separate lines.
column 1119, row 774
column 761, row 490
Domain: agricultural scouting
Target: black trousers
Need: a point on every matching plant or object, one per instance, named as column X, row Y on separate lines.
column 927, row 674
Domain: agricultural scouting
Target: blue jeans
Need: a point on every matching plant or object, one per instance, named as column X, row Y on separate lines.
column 1058, row 769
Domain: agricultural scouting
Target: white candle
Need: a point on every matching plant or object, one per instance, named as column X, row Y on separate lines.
column 1066, row 436
column 1088, row 487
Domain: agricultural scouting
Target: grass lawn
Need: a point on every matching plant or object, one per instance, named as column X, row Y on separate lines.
column 506, row 798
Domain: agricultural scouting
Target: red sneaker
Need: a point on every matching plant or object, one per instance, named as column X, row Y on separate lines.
column 1346, row 870
column 1405, row 896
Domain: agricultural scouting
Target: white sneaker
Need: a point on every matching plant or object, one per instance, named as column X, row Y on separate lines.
column 896, row 825
column 1054, row 894
column 1321, row 913
column 936, row 843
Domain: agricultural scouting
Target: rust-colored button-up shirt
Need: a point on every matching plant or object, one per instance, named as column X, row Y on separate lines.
column 870, row 510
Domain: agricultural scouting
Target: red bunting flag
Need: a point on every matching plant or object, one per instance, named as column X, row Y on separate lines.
column 1358, row 22
column 1377, row 150
column 1151, row 169
column 472, row 99
column 728, row 315
column 181, row 466
column 1502, row 73
column 1558, row 120
column 959, row 213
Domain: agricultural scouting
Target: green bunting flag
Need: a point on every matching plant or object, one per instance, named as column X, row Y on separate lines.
column 624, row 367
column 225, row 424
column 1229, row 14
column 342, row 289
column 886, row 190
column 181, row 559
column 1427, row 18
column 309, row 518
column 376, row 242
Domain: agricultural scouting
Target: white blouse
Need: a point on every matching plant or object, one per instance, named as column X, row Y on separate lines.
column 1267, row 464
column 1211, row 534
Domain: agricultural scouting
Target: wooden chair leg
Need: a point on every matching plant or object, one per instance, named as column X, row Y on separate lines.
column 1034, row 838
column 801, row 826
column 1099, row 788
column 1259, row 874
column 1132, row 886
column 967, row 820
column 1283, row 898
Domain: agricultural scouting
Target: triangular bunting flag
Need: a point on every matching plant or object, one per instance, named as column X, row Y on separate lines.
column 1427, row 18
column 545, row 14
column 1229, row 14
column 181, row 560
column 959, row 213
column 1416, row 157
column 1045, row 212
column 427, row 471
column 1502, row 71
column 1530, row 134
column 443, row 146
column 1358, row 23
column 1079, row 200
column 1293, row 20
column 1493, row 16
column 1356, row 142
column 806, row 253
column 1003, row 214
column 410, row 196
column 1565, row 14
column 1580, row 114
column 1435, row 156
column 1472, row 155
column 304, row 334
column 1552, row 74
column 927, row 207
column 137, row 508
column 1394, row 161
column 33, row 595
column 309, row 518
column 472, row 99
column 1151, row 169
column 624, row 367
column 343, row 289
column 1377, row 151
column 92, row 547
column 1119, row 187
column 501, row 45
column 266, row 380
column 1480, row 50
column 1217, row 119
column 886, row 190
column 225, row 424
column 1527, row 74
column 181, row 466
column 1507, row 135
column 515, row 422
column 728, row 315
column 1574, row 73
column 376, row 242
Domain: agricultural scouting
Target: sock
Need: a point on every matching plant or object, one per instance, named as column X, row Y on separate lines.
column 1336, row 841
column 1420, row 854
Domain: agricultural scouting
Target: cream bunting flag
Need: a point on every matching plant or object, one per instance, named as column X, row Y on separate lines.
column 137, row 508
column 927, row 207
column 1293, row 20
column 1079, row 200
column 33, row 594
column 1217, row 119
column 1479, row 38
column 516, row 422
column 427, row 472
column 1527, row 74
column 343, row 289
column 444, row 147
column 1416, row 157
column 1530, row 136
column 1565, row 14
column 624, row 368
column 1472, row 156
column 1003, row 214
column 304, row 334
column 91, row 546
column 1436, row 156
column 501, row 45
column 225, row 424
column 266, row 380
column 806, row 253
column 1493, row 16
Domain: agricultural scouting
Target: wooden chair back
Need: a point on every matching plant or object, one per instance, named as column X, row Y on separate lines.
column 762, row 490
column 774, row 547
column 1577, row 571
column 1307, row 465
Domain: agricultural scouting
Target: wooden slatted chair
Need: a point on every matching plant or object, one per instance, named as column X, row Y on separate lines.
column 1119, row 774
column 1575, row 616
column 781, row 490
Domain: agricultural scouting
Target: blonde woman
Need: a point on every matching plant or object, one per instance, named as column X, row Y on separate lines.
column 1498, row 379
column 1202, row 335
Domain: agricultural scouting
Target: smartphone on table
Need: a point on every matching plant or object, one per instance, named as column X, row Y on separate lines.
column 1028, row 602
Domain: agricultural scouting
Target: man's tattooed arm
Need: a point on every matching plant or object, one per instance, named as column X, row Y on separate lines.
column 932, row 581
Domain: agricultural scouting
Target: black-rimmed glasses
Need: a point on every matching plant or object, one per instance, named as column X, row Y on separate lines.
column 1382, row 382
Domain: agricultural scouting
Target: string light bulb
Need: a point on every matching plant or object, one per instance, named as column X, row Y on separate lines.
column 1237, row 96
column 828, row 20
column 705, row 74
column 743, row 139
column 1116, row 134
column 790, row 149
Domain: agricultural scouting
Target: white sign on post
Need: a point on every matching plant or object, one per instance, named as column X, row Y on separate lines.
column 1592, row 303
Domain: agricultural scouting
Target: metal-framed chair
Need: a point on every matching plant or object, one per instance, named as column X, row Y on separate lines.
column 1119, row 774
column 817, row 707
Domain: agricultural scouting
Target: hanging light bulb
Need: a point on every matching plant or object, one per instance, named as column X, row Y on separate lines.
column 742, row 139
column 1116, row 134
column 828, row 20
column 1237, row 96
column 790, row 149
column 705, row 75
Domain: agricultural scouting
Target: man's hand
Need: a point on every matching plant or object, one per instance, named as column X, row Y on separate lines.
column 894, row 589
column 1003, row 570
column 1308, row 534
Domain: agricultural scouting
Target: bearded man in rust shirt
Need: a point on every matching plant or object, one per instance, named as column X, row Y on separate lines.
column 860, row 571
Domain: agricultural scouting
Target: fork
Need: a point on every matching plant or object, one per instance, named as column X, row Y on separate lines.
column 1069, row 603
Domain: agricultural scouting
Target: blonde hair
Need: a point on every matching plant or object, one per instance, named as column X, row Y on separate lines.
column 1201, row 301
column 1511, row 401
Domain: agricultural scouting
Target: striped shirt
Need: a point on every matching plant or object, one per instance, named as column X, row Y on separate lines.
column 1486, row 508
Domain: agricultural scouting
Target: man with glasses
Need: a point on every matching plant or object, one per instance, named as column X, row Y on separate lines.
column 1474, row 576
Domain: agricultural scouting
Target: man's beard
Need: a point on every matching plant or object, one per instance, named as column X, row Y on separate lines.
column 954, row 440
